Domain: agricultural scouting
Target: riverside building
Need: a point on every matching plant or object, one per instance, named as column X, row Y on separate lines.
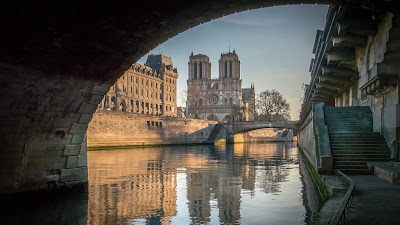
column 147, row 89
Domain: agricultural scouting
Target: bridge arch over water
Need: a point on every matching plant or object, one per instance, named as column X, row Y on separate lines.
column 237, row 127
column 57, row 61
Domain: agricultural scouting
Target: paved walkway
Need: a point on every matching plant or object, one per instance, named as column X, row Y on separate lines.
column 376, row 202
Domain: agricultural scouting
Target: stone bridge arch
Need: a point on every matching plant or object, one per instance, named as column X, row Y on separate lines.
column 58, row 59
column 245, row 126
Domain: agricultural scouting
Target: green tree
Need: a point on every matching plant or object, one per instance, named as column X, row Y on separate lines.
column 270, row 105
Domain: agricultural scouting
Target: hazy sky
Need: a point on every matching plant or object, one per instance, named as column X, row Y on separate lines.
column 274, row 46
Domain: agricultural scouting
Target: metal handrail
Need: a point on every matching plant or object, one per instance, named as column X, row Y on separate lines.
column 340, row 215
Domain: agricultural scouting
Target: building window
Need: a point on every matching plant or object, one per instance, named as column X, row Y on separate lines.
column 136, row 80
column 123, row 77
column 230, row 68
column 141, row 80
column 201, row 70
column 131, row 78
column 151, row 94
column 160, row 96
column 195, row 70
column 148, row 123
column 152, row 123
column 131, row 89
column 151, row 84
column 156, row 124
column 136, row 91
column 160, row 124
column 147, row 82
column 226, row 69
column 156, row 85
column 141, row 91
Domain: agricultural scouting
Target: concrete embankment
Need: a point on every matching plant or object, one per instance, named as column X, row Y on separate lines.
column 111, row 129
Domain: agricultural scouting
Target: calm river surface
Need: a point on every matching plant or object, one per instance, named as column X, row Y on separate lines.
column 233, row 184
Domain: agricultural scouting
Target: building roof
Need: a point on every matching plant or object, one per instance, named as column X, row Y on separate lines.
column 156, row 61
column 246, row 92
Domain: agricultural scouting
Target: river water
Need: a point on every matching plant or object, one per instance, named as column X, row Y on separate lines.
column 232, row 184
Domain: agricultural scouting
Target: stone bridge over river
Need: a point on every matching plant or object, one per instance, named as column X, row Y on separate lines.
column 58, row 59
column 238, row 127
column 233, row 128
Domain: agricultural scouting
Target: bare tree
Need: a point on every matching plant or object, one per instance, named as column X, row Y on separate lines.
column 183, row 96
column 270, row 104
column 194, row 101
column 239, row 112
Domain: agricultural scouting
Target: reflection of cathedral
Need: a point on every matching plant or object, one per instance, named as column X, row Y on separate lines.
column 220, row 99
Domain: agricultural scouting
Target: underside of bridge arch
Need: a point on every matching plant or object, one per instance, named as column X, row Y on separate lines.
column 58, row 59
column 248, row 130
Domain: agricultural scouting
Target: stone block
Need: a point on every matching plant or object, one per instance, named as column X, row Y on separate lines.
column 96, row 99
column 82, row 160
column 85, row 118
column 74, row 174
column 45, row 163
column 100, row 90
column 72, row 162
column 88, row 108
column 78, row 138
column 78, row 128
column 72, row 150
column 76, row 161
column 83, row 148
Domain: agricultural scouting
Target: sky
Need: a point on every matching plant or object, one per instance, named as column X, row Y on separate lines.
column 274, row 46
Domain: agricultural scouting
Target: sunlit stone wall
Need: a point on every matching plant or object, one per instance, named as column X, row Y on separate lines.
column 111, row 128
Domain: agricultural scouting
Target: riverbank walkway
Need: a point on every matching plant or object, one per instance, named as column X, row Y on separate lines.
column 376, row 202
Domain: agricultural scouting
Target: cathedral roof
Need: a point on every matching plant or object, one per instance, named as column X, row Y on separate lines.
column 199, row 56
column 246, row 92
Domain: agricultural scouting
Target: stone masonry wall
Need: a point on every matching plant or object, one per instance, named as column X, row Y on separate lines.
column 43, row 129
column 111, row 128
column 306, row 140
column 385, row 108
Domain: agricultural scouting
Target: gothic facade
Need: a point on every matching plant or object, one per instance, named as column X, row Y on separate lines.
column 147, row 89
column 223, row 98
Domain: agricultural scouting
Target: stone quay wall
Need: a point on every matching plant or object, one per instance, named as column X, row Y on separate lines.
column 112, row 128
column 306, row 140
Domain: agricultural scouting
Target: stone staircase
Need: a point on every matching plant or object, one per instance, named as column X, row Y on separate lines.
column 215, row 133
column 353, row 142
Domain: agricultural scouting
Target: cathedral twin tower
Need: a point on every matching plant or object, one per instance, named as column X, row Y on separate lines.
column 221, row 99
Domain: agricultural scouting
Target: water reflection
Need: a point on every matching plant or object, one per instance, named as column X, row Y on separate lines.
column 233, row 184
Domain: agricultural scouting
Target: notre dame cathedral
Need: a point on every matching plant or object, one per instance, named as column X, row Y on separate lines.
column 221, row 99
